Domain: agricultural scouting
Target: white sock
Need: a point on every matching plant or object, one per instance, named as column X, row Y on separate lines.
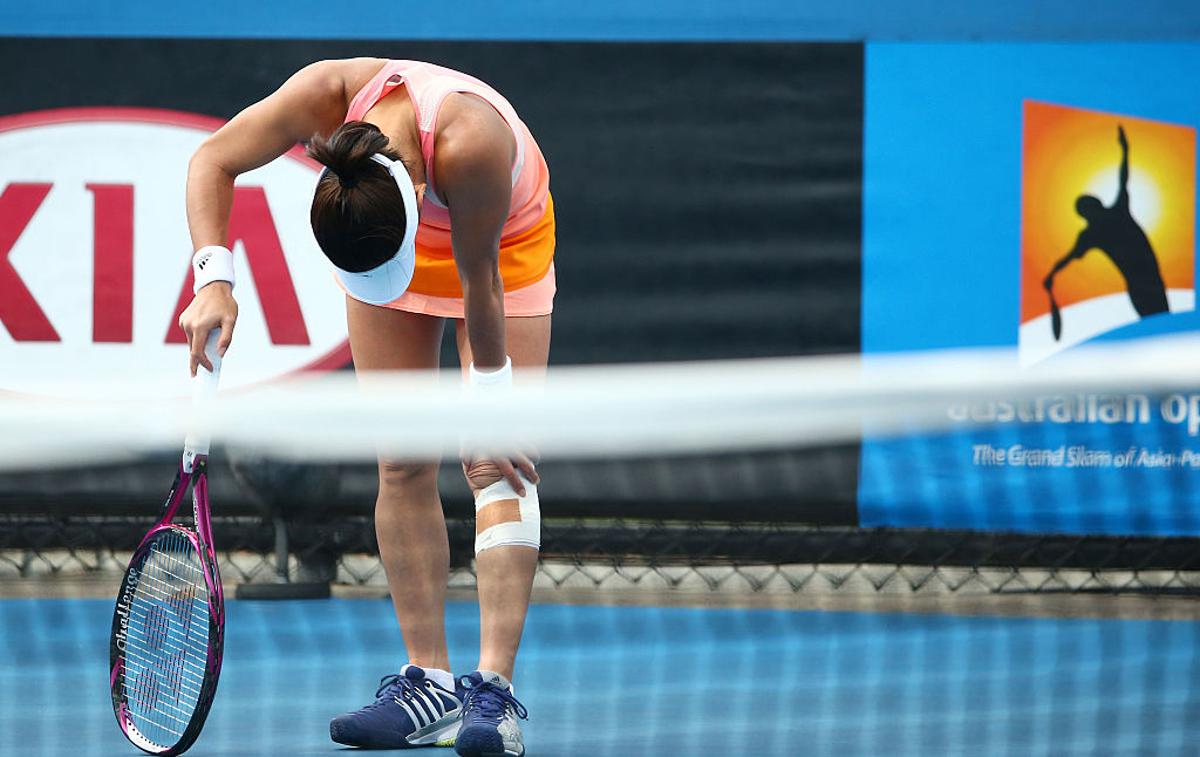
column 441, row 678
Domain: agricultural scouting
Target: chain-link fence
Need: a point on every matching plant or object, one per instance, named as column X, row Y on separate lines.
column 630, row 555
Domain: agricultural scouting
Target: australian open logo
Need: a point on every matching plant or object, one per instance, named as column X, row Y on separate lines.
column 1107, row 225
column 124, row 604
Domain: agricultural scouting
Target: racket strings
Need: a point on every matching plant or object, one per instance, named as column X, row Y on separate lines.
column 167, row 650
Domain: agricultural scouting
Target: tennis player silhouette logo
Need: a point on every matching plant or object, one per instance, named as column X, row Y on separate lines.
column 1114, row 231
column 1108, row 222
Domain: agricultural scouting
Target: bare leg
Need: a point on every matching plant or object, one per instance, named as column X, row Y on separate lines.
column 409, row 523
column 505, row 574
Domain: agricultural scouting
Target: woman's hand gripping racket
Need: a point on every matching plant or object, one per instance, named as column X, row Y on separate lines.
column 169, row 624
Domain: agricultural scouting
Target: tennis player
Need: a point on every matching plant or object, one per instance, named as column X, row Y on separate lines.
column 434, row 205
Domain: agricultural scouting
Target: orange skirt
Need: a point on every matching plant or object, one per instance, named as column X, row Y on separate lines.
column 526, row 266
column 526, row 302
column 525, row 259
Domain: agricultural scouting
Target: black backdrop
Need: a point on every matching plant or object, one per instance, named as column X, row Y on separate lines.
column 708, row 195
column 708, row 200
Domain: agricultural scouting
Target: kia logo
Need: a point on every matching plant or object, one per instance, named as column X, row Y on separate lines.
column 95, row 256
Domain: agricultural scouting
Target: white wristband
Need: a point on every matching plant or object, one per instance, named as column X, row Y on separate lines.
column 492, row 382
column 212, row 263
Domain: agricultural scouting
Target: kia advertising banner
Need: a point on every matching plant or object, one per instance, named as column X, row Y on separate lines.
column 1037, row 197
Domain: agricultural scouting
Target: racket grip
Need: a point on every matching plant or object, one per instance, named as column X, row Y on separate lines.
column 204, row 390
column 204, row 385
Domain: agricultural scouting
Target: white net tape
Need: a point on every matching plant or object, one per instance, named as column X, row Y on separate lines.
column 585, row 411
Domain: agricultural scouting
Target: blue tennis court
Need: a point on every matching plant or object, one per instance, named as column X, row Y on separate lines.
column 653, row 681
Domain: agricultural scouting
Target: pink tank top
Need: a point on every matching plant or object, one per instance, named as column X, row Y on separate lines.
column 428, row 86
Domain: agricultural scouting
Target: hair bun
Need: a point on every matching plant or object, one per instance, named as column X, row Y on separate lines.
column 348, row 150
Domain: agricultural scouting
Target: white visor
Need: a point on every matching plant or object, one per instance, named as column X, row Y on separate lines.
column 386, row 282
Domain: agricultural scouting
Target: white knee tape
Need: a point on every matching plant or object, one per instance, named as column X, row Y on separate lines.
column 526, row 532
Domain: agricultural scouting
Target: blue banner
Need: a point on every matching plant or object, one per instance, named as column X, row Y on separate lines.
column 612, row 20
column 1038, row 197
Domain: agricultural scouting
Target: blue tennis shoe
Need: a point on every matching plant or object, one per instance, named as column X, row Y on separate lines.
column 489, row 720
column 409, row 710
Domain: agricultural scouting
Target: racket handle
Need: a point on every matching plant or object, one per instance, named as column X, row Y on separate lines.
column 204, row 389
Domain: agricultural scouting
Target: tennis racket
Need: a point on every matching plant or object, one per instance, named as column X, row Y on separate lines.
column 1055, row 315
column 169, row 623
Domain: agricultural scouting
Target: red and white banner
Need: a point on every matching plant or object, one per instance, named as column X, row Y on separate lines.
column 95, row 255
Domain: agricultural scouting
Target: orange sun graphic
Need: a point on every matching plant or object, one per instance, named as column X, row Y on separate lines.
column 1070, row 152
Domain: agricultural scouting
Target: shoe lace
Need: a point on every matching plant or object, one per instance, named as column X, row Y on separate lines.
column 395, row 685
column 490, row 701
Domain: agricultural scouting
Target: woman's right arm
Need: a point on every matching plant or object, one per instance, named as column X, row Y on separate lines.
column 312, row 101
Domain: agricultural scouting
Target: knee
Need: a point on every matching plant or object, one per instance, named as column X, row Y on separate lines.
column 401, row 477
column 481, row 474
column 504, row 518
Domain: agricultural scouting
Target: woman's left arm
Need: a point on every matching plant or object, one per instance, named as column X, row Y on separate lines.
column 474, row 179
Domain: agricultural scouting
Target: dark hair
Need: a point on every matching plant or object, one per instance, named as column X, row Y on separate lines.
column 357, row 212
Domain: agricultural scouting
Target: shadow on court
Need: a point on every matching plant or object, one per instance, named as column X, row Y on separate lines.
column 652, row 681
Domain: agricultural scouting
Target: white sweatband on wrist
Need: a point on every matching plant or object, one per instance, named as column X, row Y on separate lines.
column 492, row 382
column 212, row 263
column 485, row 388
column 505, row 519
